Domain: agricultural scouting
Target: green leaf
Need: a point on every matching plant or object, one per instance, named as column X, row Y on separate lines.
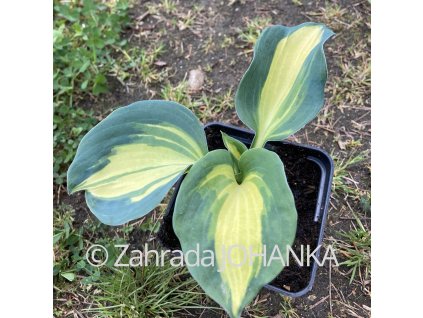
column 84, row 66
column 58, row 34
column 100, row 84
column 57, row 237
column 283, row 89
column 130, row 160
column 213, row 212
column 234, row 146
column 84, row 84
column 236, row 149
column 69, row 276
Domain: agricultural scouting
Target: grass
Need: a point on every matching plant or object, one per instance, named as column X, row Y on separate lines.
column 204, row 106
column 143, row 291
column 352, row 88
column 297, row 2
column 186, row 20
column 348, row 87
column 177, row 93
column 227, row 41
column 146, row 291
column 69, row 126
column 334, row 15
column 169, row 6
column 287, row 309
column 208, row 45
column 355, row 246
column 366, row 202
column 67, row 244
column 86, row 36
column 252, row 30
column 343, row 182
column 88, row 50
column 356, row 77
column 257, row 308
column 70, row 244
column 139, row 64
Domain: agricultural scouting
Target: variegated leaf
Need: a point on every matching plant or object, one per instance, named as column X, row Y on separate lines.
column 283, row 88
column 236, row 149
column 130, row 160
column 216, row 212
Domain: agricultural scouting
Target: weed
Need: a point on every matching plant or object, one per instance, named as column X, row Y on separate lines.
column 297, row 2
column 178, row 93
column 145, row 291
column 366, row 202
column 342, row 181
column 225, row 101
column 67, row 244
column 207, row 107
column 186, row 20
column 169, row 6
column 355, row 84
column 257, row 308
column 335, row 14
column 70, row 245
column 352, row 87
column 153, row 8
column 287, row 310
column 208, row 68
column 352, row 144
column 204, row 106
column 86, row 36
column 208, row 45
column 139, row 63
column 198, row 8
column 69, row 126
column 150, row 225
column 227, row 41
column 253, row 28
column 355, row 247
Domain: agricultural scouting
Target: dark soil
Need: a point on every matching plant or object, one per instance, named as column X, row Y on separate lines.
column 304, row 179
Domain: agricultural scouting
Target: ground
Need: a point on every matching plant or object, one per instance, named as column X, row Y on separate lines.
column 168, row 39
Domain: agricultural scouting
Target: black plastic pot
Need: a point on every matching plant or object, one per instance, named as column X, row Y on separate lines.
column 309, row 172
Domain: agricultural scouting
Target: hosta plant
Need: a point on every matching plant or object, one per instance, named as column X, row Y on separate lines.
column 237, row 197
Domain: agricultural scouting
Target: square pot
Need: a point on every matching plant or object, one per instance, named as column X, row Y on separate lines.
column 309, row 171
